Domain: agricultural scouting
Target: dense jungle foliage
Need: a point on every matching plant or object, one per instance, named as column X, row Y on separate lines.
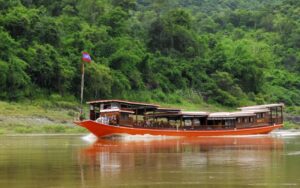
column 229, row 52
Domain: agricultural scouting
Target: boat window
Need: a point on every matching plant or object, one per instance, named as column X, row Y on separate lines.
column 259, row 115
column 103, row 119
column 239, row 120
column 114, row 106
column 187, row 122
column 197, row 122
column 106, row 106
column 229, row 123
column 124, row 116
column 97, row 109
column 246, row 120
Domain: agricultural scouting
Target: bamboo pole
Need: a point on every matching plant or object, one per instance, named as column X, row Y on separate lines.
column 82, row 87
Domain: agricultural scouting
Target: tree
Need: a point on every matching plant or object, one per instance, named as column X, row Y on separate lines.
column 91, row 10
column 17, row 81
column 98, row 81
column 115, row 19
column 19, row 21
column 126, row 62
column 125, row 4
column 173, row 33
column 3, row 79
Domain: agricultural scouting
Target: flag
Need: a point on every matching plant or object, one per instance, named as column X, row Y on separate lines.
column 86, row 57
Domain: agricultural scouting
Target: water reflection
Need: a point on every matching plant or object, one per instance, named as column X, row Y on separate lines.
column 142, row 162
column 69, row 161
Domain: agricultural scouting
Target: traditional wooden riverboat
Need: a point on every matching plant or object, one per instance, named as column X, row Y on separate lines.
column 119, row 117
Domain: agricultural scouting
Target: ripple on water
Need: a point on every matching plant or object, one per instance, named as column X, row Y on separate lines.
column 268, row 184
column 89, row 138
column 285, row 133
column 125, row 137
column 294, row 153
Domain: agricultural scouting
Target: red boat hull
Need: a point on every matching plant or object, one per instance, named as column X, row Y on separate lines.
column 102, row 130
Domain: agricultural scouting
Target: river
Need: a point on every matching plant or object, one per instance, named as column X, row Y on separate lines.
column 60, row 161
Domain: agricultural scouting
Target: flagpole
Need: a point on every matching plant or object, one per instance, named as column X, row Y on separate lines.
column 82, row 86
column 85, row 58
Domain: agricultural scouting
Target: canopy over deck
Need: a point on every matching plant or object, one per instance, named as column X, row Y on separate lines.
column 170, row 110
column 259, row 110
column 246, row 108
column 194, row 114
column 228, row 115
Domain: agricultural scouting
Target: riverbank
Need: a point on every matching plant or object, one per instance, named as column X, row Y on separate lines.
column 43, row 116
column 38, row 117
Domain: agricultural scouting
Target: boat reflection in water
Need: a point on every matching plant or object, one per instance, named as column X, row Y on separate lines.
column 144, row 162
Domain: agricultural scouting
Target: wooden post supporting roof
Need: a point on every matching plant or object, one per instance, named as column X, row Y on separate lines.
column 281, row 109
column 192, row 123
column 136, row 116
column 180, row 121
column 271, row 118
column 276, row 114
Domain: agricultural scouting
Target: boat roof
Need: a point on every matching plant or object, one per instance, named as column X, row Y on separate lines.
column 160, row 109
column 262, row 106
column 229, row 115
column 262, row 110
column 194, row 113
column 123, row 102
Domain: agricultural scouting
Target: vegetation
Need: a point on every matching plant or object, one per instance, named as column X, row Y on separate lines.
column 229, row 53
column 47, row 129
column 43, row 116
column 290, row 125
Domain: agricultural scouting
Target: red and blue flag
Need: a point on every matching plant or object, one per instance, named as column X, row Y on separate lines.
column 86, row 57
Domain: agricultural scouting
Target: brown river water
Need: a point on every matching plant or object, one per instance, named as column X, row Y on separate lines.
column 60, row 161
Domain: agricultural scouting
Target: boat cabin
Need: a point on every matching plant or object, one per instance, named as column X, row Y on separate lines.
column 179, row 119
column 230, row 120
column 119, row 112
column 269, row 113
column 136, row 114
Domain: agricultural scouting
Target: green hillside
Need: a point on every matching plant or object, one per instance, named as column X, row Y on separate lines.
column 222, row 52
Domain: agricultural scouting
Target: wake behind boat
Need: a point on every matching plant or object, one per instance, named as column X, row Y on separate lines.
column 119, row 117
